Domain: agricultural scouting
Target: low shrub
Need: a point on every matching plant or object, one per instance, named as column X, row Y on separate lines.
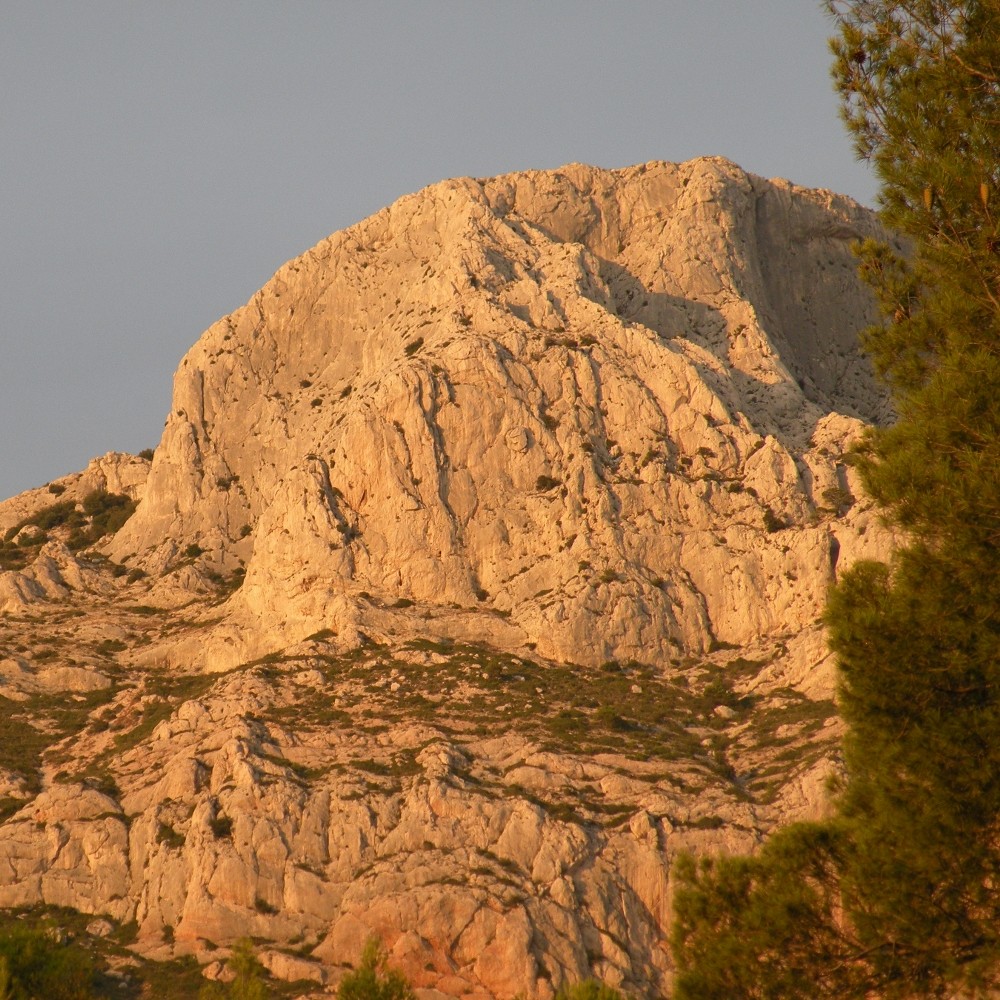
column 373, row 979
column 222, row 827
column 589, row 989
column 248, row 977
column 772, row 522
column 34, row 963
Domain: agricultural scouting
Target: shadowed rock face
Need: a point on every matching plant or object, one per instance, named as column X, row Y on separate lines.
column 537, row 484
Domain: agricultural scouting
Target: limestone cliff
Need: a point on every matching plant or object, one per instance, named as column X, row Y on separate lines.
column 582, row 398
column 477, row 572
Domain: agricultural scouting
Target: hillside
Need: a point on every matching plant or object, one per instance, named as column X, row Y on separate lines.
column 478, row 572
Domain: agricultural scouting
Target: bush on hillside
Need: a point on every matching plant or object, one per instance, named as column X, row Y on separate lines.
column 373, row 979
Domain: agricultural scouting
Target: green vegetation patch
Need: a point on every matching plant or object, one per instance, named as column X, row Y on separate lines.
column 81, row 525
column 29, row 728
column 46, row 953
column 467, row 689
column 169, row 691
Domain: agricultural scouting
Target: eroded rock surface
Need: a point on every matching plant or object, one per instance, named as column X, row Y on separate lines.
column 477, row 574
column 583, row 397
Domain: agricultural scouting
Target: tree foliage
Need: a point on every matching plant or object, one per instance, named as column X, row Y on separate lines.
column 588, row 989
column 918, row 642
column 764, row 926
column 35, row 965
column 373, row 979
column 906, row 898
column 920, row 81
column 248, row 976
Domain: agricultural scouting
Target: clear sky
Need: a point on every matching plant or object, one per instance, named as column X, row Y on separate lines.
column 160, row 160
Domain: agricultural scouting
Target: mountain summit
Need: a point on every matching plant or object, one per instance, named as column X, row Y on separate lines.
column 478, row 571
column 580, row 400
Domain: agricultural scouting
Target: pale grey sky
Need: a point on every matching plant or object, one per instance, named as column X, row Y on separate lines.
column 160, row 160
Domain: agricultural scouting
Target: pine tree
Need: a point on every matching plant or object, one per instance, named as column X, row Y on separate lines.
column 918, row 641
column 909, row 904
column 765, row 926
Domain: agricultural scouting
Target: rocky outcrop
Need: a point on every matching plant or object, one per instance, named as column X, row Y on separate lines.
column 114, row 472
column 477, row 574
column 587, row 399
column 505, row 825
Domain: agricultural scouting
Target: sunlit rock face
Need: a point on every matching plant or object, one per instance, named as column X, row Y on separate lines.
column 478, row 573
column 586, row 400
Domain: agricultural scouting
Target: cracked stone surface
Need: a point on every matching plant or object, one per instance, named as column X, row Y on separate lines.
column 478, row 572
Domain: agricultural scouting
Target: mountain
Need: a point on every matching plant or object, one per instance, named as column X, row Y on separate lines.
column 477, row 573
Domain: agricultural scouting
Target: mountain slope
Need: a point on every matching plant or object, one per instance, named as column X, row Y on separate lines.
column 478, row 572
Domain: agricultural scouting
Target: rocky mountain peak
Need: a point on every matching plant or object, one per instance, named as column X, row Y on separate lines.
column 477, row 573
column 577, row 401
